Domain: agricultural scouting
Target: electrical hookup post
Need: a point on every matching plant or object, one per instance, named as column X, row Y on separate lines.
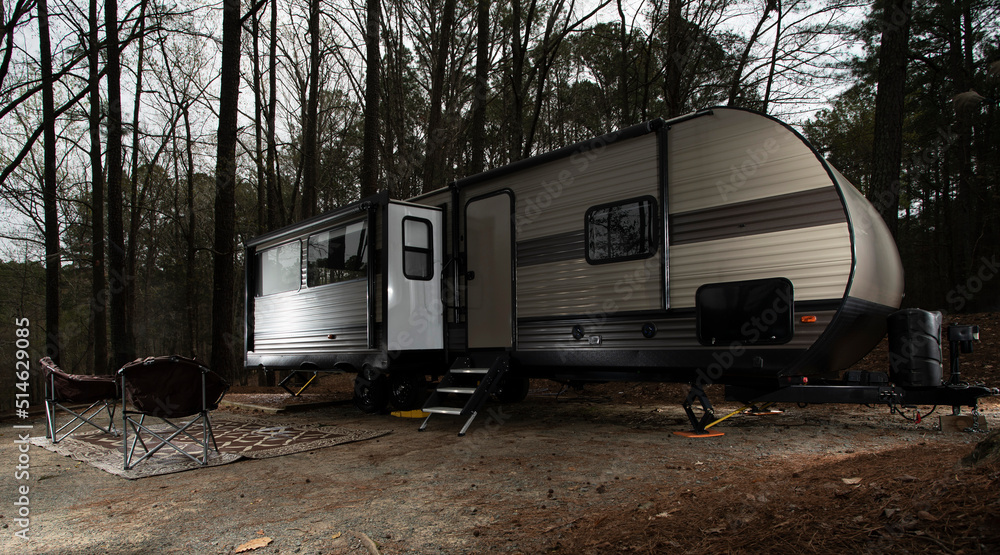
column 22, row 428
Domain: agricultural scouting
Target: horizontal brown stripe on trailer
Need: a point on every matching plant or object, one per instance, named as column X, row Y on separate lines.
column 552, row 248
column 810, row 208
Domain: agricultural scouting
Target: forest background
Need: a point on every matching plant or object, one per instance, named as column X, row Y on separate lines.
column 142, row 143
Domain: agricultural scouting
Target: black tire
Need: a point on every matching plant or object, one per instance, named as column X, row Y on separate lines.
column 406, row 391
column 512, row 389
column 371, row 392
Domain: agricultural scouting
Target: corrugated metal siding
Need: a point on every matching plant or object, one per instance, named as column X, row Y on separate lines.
column 552, row 200
column 734, row 156
column 573, row 287
column 555, row 248
column 297, row 323
column 792, row 211
column 817, row 260
column 673, row 333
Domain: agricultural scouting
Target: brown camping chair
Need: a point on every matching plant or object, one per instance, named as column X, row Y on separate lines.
column 63, row 390
column 168, row 388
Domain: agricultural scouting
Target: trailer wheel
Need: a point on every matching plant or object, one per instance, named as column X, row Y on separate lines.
column 406, row 391
column 371, row 391
column 512, row 389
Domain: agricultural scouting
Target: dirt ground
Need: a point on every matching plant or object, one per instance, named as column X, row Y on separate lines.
column 566, row 471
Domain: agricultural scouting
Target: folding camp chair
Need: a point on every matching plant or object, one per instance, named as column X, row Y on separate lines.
column 168, row 388
column 63, row 390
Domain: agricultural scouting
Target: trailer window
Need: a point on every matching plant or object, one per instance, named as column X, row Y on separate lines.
column 279, row 269
column 418, row 249
column 621, row 231
column 338, row 254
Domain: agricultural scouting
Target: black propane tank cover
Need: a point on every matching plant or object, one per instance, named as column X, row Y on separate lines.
column 915, row 348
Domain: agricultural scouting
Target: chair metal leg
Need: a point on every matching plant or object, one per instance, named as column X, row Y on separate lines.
column 84, row 417
column 50, row 421
column 167, row 440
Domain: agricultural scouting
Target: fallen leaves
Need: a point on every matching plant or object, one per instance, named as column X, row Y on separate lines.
column 253, row 544
column 924, row 515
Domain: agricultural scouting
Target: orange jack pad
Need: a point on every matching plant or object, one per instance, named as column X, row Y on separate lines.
column 697, row 435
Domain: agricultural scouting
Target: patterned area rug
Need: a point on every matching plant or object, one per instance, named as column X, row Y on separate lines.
column 237, row 438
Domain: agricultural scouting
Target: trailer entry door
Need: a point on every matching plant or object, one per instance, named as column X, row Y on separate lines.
column 489, row 276
column 414, row 278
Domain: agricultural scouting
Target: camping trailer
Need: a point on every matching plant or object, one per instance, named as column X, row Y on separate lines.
column 718, row 247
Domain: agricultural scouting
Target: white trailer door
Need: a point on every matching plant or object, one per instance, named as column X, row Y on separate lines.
column 489, row 276
column 414, row 278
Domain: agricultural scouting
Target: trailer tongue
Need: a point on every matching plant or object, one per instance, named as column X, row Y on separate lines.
column 914, row 378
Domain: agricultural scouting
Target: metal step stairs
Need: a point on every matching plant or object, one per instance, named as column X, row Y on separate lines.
column 464, row 381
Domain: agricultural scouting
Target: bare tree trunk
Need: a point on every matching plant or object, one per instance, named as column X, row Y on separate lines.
column 263, row 179
column 53, row 258
column 435, row 133
column 310, row 127
column 772, row 68
column 224, row 341
column 9, row 23
column 275, row 200
column 518, row 54
column 258, row 127
column 675, row 60
column 624, row 43
column 888, row 140
column 478, row 161
column 734, row 88
column 190, row 277
column 183, row 101
column 961, row 73
column 369, row 156
column 118, row 280
column 545, row 59
column 265, row 171
column 98, row 299
column 134, row 197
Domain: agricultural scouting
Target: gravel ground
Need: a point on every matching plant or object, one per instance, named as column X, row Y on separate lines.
column 596, row 471
column 593, row 471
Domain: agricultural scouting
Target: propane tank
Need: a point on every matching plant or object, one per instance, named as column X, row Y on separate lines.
column 915, row 348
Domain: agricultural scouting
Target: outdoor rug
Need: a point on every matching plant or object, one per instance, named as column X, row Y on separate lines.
column 237, row 437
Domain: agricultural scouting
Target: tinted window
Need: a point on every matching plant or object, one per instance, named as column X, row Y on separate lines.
column 418, row 251
column 338, row 254
column 621, row 231
column 279, row 269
